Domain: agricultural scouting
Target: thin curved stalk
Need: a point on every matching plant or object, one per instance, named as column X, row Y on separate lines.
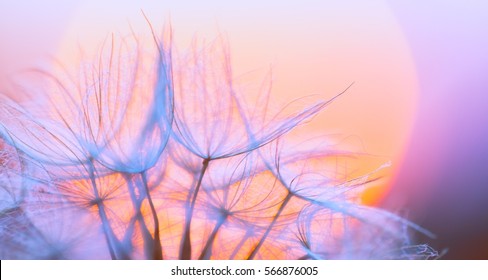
column 185, row 253
column 246, row 236
column 146, row 234
column 207, row 250
column 268, row 230
column 107, row 230
column 157, row 248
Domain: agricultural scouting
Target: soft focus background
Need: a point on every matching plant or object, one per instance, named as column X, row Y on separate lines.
column 418, row 100
column 444, row 177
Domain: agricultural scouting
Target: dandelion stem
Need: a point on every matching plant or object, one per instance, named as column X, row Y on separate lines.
column 241, row 243
column 146, row 234
column 207, row 250
column 157, row 248
column 107, row 230
column 185, row 253
column 268, row 230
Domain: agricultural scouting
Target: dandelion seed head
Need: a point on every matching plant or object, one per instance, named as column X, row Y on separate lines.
column 148, row 152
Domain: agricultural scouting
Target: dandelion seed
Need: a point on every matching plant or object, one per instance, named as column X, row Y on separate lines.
column 238, row 197
column 211, row 124
column 142, row 116
column 119, row 114
column 136, row 86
